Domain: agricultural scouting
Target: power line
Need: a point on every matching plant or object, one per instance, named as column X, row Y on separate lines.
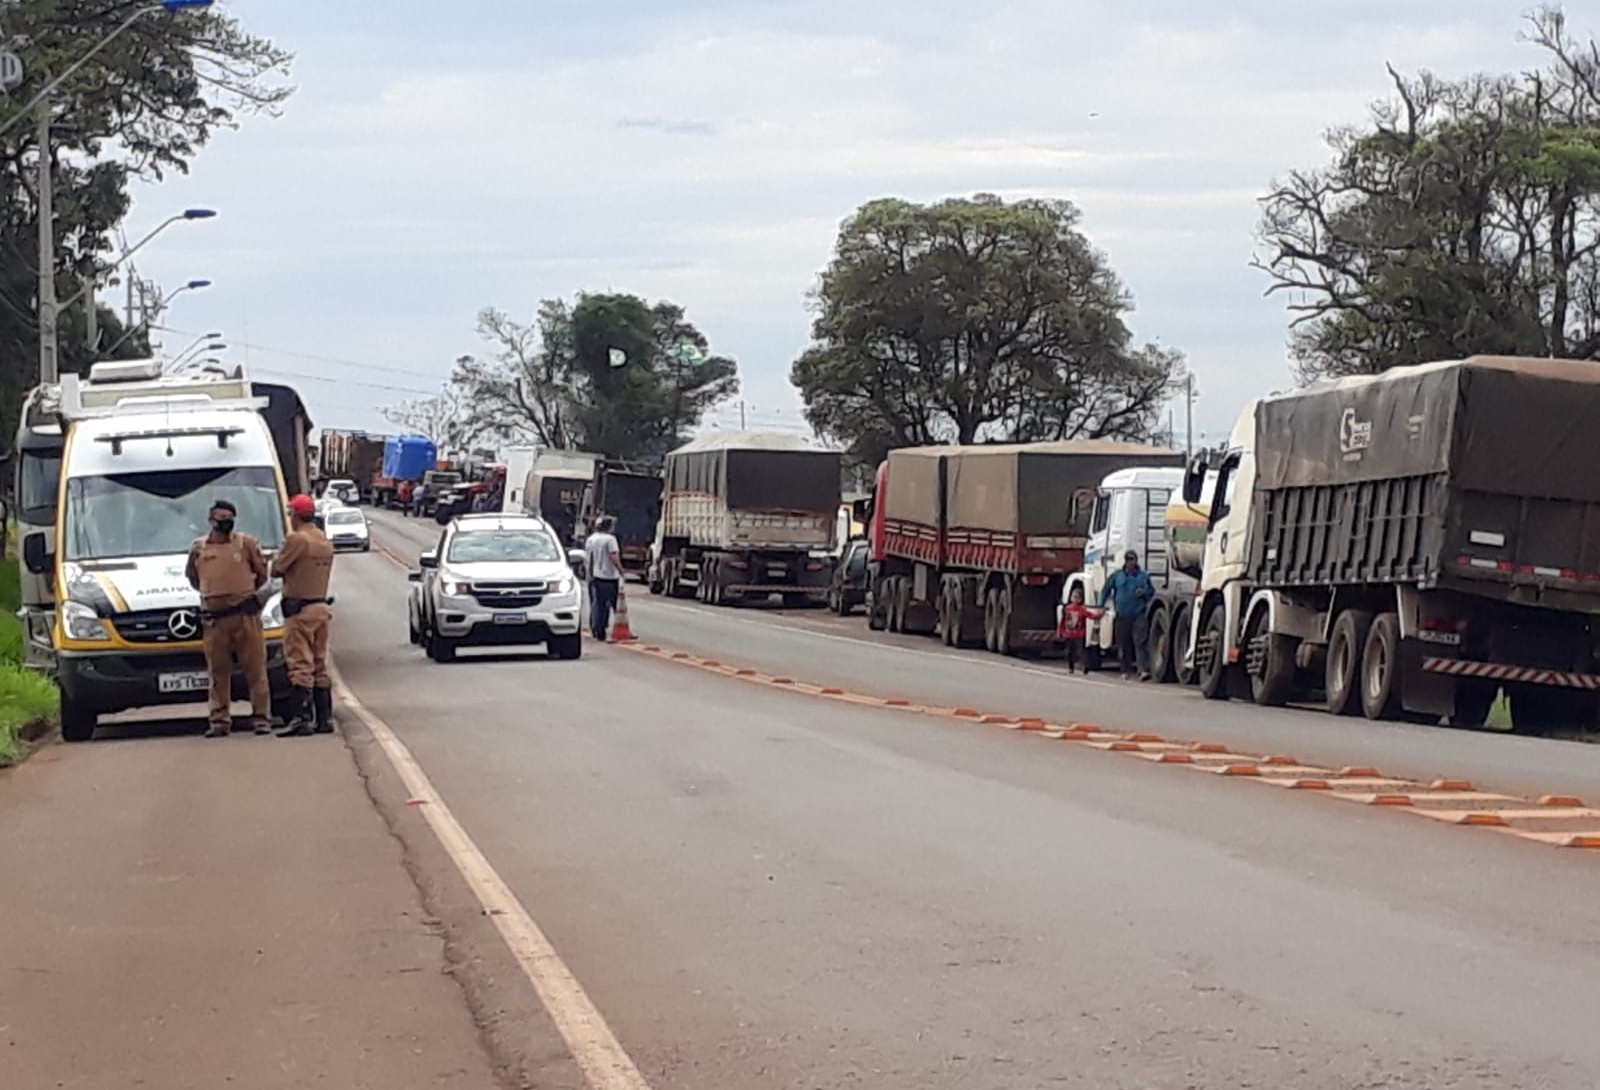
column 343, row 381
column 313, row 357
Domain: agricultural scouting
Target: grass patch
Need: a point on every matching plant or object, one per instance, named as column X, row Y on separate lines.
column 26, row 698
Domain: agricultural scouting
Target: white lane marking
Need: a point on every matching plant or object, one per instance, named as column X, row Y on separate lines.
column 604, row 1062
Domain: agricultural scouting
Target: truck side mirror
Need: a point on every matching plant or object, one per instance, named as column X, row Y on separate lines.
column 429, row 559
column 1194, row 481
column 35, row 557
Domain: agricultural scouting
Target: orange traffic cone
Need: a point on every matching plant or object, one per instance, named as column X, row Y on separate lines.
column 620, row 630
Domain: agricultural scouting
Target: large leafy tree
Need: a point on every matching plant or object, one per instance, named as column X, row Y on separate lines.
column 974, row 320
column 1463, row 218
column 143, row 106
column 609, row 373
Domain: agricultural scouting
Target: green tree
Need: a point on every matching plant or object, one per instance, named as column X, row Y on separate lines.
column 1463, row 219
column 611, row 374
column 970, row 321
column 144, row 106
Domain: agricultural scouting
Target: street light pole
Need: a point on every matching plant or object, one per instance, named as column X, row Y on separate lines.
column 47, row 249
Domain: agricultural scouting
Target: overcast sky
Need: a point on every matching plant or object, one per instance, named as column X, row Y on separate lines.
column 442, row 157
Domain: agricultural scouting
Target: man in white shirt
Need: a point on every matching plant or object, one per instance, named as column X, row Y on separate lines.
column 603, row 559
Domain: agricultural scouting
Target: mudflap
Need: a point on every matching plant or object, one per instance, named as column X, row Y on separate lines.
column 1423, row 693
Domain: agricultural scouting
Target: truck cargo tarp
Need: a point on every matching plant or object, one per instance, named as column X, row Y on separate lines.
column 1495, row 425
column 1019, row 488
column 635, row 502
column 761, row 474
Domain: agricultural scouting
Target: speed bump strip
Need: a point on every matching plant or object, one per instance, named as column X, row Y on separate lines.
column 1560, row 821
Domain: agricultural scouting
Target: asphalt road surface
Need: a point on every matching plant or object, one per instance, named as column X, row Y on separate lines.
column 761, row 888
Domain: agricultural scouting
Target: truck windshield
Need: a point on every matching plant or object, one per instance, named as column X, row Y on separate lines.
column 162, row 512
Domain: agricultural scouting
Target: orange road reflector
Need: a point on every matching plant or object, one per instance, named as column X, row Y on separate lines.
column 1451, row 785
column 993, row 719
column 1582, row 840
column 832, row 692
column 1076, row 735
column 1090, row 727
column 1281, row 761
column 1566, row 802
column 966, row 713
column 713, row 663
column 1307, row 785
column 1031, row 723
column 652, row 650
column 897, row 703
column 682, row 655
column 1173, row 759
column 1125, row 746
column 1389, row 800
column 1145, row 738
column 744, row 673
column 782, row 681
column 1208, row 747
column 1238, row 770
column 1480, row 819
column 1361, row 771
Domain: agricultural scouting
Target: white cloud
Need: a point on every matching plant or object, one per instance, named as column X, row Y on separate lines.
column 709, row 156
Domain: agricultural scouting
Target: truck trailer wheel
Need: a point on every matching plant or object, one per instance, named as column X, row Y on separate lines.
column 1182, row 669
column 1161, row 661
column 1346, row 646
column 1380, row 669
column 997, row 620
column 1211, row 657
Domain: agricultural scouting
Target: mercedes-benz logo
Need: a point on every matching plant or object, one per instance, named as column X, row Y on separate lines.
column 184, row 624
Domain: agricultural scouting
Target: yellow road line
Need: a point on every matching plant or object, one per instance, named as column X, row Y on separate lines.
column 606, row 1065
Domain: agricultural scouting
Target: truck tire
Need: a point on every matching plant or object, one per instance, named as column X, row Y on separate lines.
column 1269, row 663
column 1346, row 646
column 1161, row 668
column 567, row 648
column 899, row 600
column 997, row 619
column 1380, row 669
column 1211, row 659
column 949, row 614
column 1181, row 673
column 877, row 607
column 77, row 722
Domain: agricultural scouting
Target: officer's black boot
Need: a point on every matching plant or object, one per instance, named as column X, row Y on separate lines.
column 322, row 700
column 299, row 724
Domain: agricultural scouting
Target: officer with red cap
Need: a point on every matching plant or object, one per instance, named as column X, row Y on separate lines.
column 306, row 564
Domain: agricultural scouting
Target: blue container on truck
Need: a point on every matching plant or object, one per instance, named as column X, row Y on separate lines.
column 408, row 457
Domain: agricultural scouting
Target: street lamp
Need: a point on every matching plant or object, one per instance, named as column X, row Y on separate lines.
column 144, row 324
column 47, row 241
column 186, row 357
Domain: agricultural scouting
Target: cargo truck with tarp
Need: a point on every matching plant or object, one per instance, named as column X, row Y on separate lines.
column 1411, row 544
column 975, row 543
column 746, row 515
column 631, row 495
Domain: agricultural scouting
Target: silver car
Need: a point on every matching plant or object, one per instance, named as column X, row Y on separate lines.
column 496, row 581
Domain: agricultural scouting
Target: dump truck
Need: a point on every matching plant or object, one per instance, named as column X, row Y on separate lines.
column 975, row 543
column 631, row 494
column 746, row 515
column 1409, row 545
column 1142, row 508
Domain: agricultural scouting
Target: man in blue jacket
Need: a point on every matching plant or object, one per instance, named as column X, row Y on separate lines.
column 1130, row 592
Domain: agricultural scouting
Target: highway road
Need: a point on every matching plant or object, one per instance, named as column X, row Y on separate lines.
column 758, row 887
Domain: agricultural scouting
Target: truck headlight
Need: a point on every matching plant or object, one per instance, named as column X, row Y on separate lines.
column 454, row 588
column 82, row 623
column 272, row 614
column 564, row 586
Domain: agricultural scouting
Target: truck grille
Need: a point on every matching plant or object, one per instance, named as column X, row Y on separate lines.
column 509, row 595
column 149, row 626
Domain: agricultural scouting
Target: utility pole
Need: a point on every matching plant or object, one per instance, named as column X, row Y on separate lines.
column 91, row 319
column 127, row 314
column 48, row 371
column 741, row 416
column 1188, row 396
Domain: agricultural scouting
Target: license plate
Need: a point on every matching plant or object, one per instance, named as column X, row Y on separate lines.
column 193, row 681
column 510, row 618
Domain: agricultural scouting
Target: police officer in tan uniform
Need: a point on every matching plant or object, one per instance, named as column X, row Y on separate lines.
column 305, row 565
column 227, row 568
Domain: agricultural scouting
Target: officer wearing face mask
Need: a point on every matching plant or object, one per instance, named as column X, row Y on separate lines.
column 227, row 568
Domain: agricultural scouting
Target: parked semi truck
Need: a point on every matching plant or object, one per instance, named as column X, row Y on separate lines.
column 1411, row 544
column 405, row 458
column 631, row 494
column 355, row 456
column 1143, row 509
column 744, row 515
column 976, row 543
column 552, row 489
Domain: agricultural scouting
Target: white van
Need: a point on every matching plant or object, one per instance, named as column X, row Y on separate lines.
column 142, row 465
